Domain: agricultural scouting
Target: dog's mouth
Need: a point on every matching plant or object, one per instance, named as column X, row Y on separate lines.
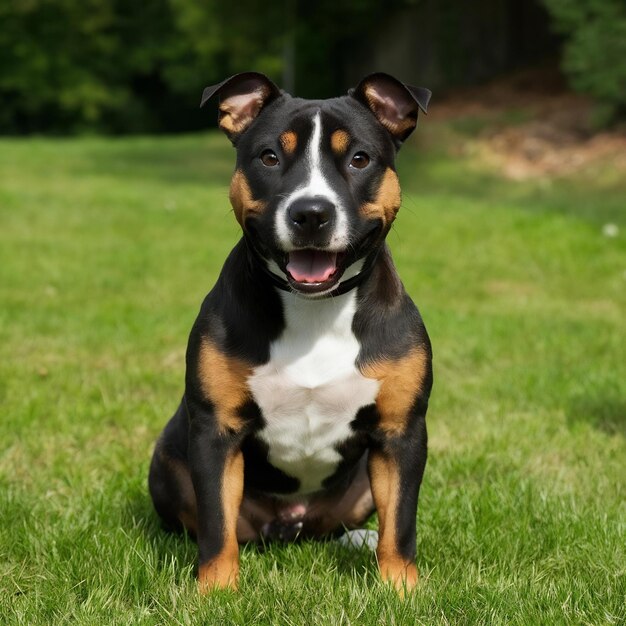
column 314, row 271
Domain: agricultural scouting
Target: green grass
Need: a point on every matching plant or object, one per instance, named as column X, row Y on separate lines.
column 107, row 247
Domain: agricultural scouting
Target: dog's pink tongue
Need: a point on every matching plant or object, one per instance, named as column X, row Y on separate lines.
column 311, row 266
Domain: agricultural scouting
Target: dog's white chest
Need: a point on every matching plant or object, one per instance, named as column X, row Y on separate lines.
column 310, row 390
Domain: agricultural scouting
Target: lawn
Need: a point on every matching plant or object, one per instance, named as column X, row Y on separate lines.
column 107, row 247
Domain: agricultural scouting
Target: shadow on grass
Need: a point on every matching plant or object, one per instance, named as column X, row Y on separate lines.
column 139, row 512
column 353, row 561
column 607, row 413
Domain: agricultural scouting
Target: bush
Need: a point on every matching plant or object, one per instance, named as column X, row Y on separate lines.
column 122, row 66
column 594, row 52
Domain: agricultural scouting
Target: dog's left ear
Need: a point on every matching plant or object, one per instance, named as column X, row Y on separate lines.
column 242, row 97
column 395, row 104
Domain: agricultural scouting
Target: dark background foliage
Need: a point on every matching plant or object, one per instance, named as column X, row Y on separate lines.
column 128, row 66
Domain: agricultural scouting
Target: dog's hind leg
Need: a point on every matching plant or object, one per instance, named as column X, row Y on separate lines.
column 169, row 480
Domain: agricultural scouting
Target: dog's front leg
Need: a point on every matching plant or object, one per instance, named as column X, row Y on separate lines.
column 396, row 468
column 217, row 475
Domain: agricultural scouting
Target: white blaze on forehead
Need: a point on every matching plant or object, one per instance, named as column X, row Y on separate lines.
column 315, row 185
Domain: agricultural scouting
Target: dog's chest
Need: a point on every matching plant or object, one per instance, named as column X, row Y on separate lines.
column 310, row 390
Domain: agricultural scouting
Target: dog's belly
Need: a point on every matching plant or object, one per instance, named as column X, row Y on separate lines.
column 309, row 392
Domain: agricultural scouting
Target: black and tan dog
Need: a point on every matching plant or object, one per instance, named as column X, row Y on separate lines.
column 308, row 367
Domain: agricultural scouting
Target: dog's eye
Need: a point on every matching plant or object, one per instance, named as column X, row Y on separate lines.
column 269, row 158
column 360, row 160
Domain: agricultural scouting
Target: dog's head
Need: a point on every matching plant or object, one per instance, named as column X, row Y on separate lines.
column 315, row 188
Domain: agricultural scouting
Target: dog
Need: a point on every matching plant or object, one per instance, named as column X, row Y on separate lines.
column 308, row 368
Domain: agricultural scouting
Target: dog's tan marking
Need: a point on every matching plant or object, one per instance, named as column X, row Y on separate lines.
column 188, row 513
column 222, row 571
column 339, row 141
column 401, row 382
column 241, row 198
column 385, row 482
column 387, row 201
column 289, row 141
column 237, row 112
column 223, row 381
column 190, row 521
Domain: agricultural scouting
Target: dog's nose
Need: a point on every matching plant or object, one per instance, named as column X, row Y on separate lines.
column 311, row 215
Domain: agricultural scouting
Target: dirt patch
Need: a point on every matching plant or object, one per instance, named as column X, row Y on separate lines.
column 529, row 125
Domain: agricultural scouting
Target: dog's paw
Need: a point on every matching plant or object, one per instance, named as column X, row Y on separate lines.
column 219, row 573
column 402, row 575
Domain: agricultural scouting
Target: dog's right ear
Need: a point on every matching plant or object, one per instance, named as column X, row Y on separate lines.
column 242, row 97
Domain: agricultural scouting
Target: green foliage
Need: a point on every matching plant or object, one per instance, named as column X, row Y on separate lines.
column 594, row 53
column 135, row 66
column 69, row 63
column 122, row 65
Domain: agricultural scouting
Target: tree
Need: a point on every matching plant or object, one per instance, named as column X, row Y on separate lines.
column 594, row 52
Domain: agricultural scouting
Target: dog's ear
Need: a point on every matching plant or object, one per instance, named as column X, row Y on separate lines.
column 394, row 104
column 242, row 97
